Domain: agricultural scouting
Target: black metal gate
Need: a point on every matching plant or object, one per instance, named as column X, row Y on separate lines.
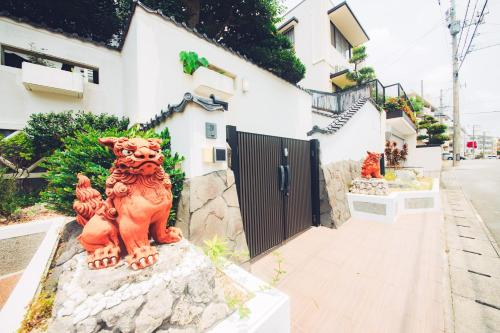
column 276, row 180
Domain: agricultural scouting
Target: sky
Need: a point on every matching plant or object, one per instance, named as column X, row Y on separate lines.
column 410, row 42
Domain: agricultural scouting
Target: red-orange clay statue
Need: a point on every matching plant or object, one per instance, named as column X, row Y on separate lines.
column 371, row 166
column 137, row 206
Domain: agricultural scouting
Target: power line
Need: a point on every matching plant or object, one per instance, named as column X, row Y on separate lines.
column 463, row 23
column 485, row 47
column 413, row 44
column 473, row 34
column 482, row 112
column 468, row 28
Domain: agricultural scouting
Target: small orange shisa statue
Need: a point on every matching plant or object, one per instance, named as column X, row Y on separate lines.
column 371, row 166
column 137, row 206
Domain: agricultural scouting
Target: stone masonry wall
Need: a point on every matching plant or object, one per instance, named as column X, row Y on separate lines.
column 208, row 207
column 334, row 184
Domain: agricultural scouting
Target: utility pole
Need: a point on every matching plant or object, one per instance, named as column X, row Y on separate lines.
column 422, row 89
column 473, row 142
column 454, row 26
column 441, row 106
column 484, row 141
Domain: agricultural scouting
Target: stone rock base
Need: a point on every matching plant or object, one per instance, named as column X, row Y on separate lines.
column 209, row 207
column 373, row 186
column 177, row 294
column 334, row 184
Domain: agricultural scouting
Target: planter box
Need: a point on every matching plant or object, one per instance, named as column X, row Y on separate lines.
column 208, row 82
column 387, row 208
column 52, row 80
column 401, row 122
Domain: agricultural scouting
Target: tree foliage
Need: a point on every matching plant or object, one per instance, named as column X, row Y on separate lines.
column 48, row 130
column 364, row 74
column 94, row 19
column 18, row 149
column 82, row 153
column 245, row 26
column 435, row 132
column 417, row 103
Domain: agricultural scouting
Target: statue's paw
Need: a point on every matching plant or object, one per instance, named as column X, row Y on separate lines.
column 172, row 235
column 104, row 257
column 142, row 257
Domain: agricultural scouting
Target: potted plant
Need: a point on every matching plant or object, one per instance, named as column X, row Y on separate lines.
column 207, row 79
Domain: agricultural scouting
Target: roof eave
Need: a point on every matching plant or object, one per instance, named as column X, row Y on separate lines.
column 344, row 3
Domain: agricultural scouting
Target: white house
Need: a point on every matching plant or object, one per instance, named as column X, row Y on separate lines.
column 323, row 36
column 244, row 132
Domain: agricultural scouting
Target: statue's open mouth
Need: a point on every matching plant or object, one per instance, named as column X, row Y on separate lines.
column 147, row 162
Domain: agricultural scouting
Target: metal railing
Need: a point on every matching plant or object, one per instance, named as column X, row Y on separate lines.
column 338, row 102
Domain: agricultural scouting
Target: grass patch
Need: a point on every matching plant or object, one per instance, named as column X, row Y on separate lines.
column 40, row 310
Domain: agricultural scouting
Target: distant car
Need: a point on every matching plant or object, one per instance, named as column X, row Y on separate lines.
column 492, row 157
column 449, row 157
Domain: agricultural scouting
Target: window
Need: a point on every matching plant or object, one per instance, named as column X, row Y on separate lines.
column 290, row 34
column 14, row 57
column 339, row 42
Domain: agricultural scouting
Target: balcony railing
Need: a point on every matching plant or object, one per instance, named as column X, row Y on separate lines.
column 338, row 102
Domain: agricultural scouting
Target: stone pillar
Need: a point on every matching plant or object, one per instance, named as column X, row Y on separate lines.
column 334, row 184
column 209, row 207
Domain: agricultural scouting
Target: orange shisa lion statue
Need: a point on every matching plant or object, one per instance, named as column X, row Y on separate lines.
column 137, row 206
column 371, row 166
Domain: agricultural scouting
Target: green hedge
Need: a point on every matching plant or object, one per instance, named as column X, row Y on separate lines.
column 83, row 154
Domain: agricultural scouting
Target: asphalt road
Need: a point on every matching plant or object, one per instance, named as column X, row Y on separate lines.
column 480, row 180
column 16, row 253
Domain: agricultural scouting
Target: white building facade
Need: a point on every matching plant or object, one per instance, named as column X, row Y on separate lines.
column 143, row 79
column 323, row 36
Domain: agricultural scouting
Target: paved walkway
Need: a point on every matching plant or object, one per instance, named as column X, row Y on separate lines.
column 366, row 276
column 474, row 262
column 7, row 284
column 15, row 255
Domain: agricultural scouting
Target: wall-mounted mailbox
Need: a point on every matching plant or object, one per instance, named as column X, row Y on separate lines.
column 220, row 154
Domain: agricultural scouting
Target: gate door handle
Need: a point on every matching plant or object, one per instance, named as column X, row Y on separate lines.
column 282, row 177
column 287, row 179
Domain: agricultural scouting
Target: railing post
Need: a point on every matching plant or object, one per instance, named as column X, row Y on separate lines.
column 315, row 187
column 232, row 140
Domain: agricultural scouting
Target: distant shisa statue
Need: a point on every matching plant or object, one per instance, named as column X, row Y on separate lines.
column 137, row 206
column 371, row 166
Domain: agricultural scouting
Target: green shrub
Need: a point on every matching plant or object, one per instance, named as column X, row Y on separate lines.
column 84, row 154
column 8, row 195
column 48, row 130
column 18, row 149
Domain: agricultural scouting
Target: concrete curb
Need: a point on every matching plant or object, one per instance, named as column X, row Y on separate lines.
column 14, row 310
column 481, row 222
column 23, row 229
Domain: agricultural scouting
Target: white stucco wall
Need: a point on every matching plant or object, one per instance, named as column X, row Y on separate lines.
column 153, row 79
column 188, row 139
column 313, row 44
column 428, row 158
column 413, row 159
column 364, row 131
column 270, row 106
column 18, row 103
